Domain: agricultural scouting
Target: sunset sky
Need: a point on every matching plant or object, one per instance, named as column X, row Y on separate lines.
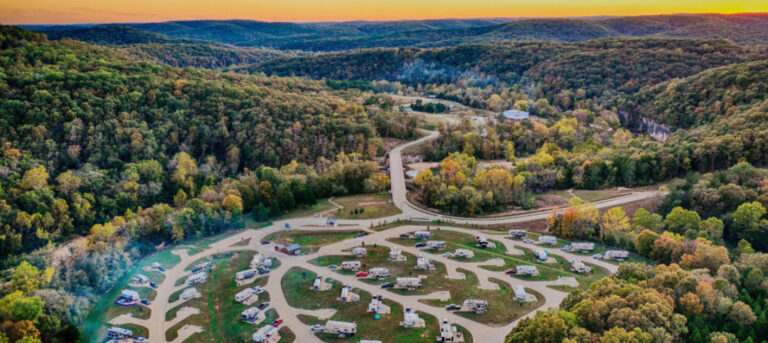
column 113, row 11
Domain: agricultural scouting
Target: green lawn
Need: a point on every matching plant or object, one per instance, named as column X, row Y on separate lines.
column 296, row 284
column 310, row 240
column 376, row 256
column 371, row 205
column 220, row 313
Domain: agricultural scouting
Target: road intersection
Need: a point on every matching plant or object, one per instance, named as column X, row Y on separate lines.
column 157, row 324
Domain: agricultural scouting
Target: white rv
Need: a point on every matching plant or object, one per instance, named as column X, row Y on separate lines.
column 266, row 334
column 449, row 333
column 437, row 245
column 190, row 293
column 583, row 246
column 246, row 274
column 250, row 314
column 527, row 270
column 579, row 266
column 359, row 251
column 340, row 328
column 347, row 296
column 409, row 283
column 616, row 254
column 257, row 260
column 548, row 240
column 411, row 319
column 424, row 264
column 465, row 253
column 396, row 255
column 481, row 241
column 541, row 254
column 520, row 294
column 197, row 278
column 247, row 296
column 351, row 265
column 378, row 273
column 475, row 305
column 422, row 234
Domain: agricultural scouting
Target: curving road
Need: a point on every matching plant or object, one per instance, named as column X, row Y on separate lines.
column 157, row 325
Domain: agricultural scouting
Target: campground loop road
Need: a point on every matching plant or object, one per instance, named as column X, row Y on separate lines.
column 158, row 326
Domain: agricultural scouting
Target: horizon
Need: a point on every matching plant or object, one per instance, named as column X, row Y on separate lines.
column 591, row 17
column 85, row 12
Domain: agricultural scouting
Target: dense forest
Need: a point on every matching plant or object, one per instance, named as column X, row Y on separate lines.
column 121, row 138
column 130, row 154
column 740, row 28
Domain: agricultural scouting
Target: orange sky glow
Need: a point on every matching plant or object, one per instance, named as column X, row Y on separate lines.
column 117, row 11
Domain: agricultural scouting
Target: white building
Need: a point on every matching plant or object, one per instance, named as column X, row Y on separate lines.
column 190, row 293
column 140, row 279
column 118, row 333
column 548, row 240
column 257, row 260
column 247, row 296
column 351, row 265
column 518, row 233
column 411, row 319
column 246, row 274
column 541, row 254
column 395, row 255
column 409, row 283
column 340, row 328
column 250, row 314
column 130, row 295
column 449, row 333
column 423, row 263
column 359, row 251
column 197, row 278
column 475, row 305
column 583, row 246
column 377, row 306
column 481, row 241
column 520, row 293
column 422, row 234
column 438, row 245
column 579, row 267
column 616, row 254
column 266, row 334
column 465, row 253
column 527, row 270
column 378, row 273
column 347, row 296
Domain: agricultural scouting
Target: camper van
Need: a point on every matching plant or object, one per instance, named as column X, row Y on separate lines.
column 437, row 245
column 583, row 246
column 527, row 270
column 552, row 240
column 422, row 234
column 520, row 294
column 519, row 234
column 616, row 255
column 351, row 265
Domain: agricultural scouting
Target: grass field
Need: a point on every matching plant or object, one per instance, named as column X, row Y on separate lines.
column 94, row 327
column 296, row 284
column 372, row 206
column 376, row 256
column 219, row 312
column 310, row 240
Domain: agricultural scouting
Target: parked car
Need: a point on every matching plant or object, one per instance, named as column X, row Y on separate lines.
column 566, row 248
column 277, row 322
column 362, row 234
column 452, row 307
column 387, row 285
column 448, row 254
column 153, row 284
column 317, row 327
column 265, row 242
column 421, row 245
column 263, row 305
column 597, row 256
column 263, row 271
column 161, row 268
column 511, row 271
column 528, row 240
column 333, row 266
column 146, row 301
column 405, row 235
column 361, row 274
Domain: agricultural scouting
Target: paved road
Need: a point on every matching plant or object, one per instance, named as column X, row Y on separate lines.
column 397, row 177
column 157, row 325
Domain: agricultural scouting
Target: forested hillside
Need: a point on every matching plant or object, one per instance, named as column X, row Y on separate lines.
column 564, row 74
column 747, row 29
